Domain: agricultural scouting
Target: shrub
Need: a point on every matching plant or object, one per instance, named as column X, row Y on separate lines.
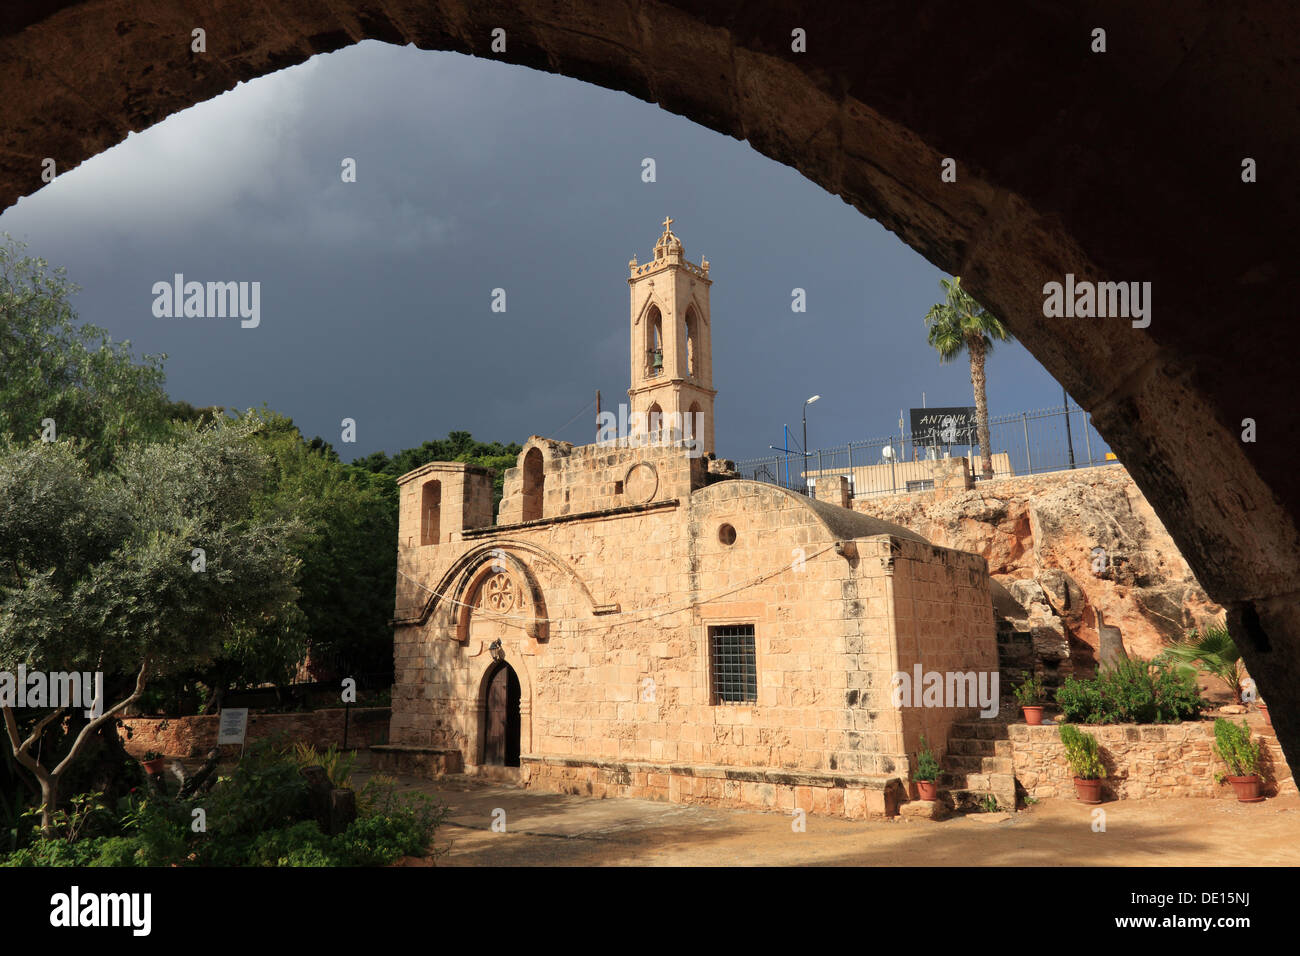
column 1235, row 747
column 265, row 792
column 927, row 768
column 1082, row 752
column 407, row 830
column 336, row 763
column 55, row 853
column 157, row 834
column 302, row 844
column 377, row 795
column 259, row 816
column 118, row 851
column 369, row 841
column 1131, row 692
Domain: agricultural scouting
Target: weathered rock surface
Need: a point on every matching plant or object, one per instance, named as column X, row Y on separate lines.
column 1066, row 546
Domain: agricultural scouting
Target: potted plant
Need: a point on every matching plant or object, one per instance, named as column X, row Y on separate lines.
column 926, row 773
column 1236, row 749
column 153, row 762
column 1030, row 697
column 1085, row 763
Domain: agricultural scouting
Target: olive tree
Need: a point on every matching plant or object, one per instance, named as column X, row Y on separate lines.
column 147, row 567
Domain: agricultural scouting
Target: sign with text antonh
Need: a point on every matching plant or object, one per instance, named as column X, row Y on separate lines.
column 234, row 724
column 944, row 426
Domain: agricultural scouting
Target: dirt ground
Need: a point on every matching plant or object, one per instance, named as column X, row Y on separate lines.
column 545, row 829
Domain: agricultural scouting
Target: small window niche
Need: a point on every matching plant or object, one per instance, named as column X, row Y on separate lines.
column 430, row 511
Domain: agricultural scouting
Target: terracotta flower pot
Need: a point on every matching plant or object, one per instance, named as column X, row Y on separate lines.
column 927, row 790
column 1247, row 788
column 1033, row 714
column 1263, row 709
column 154, row 766
column 1089, row 791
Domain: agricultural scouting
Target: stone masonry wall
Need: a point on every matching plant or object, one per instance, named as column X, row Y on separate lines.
column 1149, row 760
column 824, row 794
column 194, row 736
column 623, row 673
column 590, row 478
column 943, row 623
column 606, row 619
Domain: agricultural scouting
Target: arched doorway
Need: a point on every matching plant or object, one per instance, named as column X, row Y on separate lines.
column 501, row 722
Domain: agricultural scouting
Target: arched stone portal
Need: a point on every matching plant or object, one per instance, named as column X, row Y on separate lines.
column 1122, row 166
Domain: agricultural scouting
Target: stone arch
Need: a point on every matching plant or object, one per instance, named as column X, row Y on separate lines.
column 867, row 112
column 507, row 593
column 654, row 423
column 654, row 341
column 452, row 591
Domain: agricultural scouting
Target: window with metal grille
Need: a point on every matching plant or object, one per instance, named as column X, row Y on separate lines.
column 923, row 484
column 733, row 663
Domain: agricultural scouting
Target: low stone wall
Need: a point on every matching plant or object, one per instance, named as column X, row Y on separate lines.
column 415, row 761
column 852, row 796
column 1143, row 760
column 194, row 736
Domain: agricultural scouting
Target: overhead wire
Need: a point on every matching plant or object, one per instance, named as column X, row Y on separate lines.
column 605, row 619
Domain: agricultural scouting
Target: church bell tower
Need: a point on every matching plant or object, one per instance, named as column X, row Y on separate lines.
column 671, row 342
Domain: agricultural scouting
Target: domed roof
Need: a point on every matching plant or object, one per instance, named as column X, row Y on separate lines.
column 668, row 243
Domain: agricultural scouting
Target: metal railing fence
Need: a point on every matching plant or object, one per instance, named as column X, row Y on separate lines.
column 1025, row 443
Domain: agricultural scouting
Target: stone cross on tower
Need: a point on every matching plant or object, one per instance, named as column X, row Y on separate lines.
column 671, row 343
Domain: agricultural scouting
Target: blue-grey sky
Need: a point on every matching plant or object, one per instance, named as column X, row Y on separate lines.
column 474, row 175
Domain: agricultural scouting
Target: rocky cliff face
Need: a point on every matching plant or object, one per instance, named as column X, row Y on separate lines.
column 1072, row 549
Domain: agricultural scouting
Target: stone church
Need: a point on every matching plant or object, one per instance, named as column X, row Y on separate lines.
column 638, row 621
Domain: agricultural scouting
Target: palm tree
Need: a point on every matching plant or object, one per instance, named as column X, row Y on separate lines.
column 1215, row 651
column 960, row 324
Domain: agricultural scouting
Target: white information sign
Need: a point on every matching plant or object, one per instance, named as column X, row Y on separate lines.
column 234, row 724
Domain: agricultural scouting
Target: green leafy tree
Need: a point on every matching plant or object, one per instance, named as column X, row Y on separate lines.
column 101, row 572
column 349, row 554
column 960, row 324
column 457, row 446
column 53, row 368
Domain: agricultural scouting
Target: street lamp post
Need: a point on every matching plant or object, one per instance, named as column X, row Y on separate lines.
column 805, row 440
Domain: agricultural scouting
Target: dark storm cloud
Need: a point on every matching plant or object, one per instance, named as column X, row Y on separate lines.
column 471, row 176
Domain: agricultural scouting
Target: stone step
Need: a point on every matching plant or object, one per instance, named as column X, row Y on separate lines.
column 980, row 747
column 978, row 730
column 970, row 790
column 976, row 799
column 974, row 763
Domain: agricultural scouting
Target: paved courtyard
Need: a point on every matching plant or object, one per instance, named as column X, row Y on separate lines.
column 546, row 829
